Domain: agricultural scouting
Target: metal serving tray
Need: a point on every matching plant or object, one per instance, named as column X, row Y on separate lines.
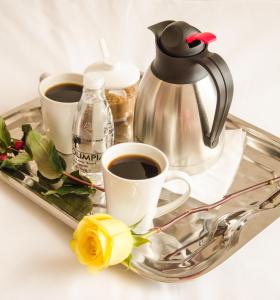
column 196, row 244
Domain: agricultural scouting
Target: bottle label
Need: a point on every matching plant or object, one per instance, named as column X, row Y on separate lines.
column 85, row 161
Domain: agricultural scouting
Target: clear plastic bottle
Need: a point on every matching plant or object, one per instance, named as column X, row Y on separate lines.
column 93, row 128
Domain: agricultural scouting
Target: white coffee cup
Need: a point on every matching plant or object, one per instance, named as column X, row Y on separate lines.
column 58, row 116
column 132, row 200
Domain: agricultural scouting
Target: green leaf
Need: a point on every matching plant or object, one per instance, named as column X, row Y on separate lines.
column 5, row 138
column 63, row 163
column 20, row 159
column 69, row 181
column 45, row 181
column 26, row 128
column 76, row 206
column 139, row 241
column 70, row 186
column 128, row 261
column 45, row 155
column 57, row 160
column 65, row 190
column 7, row 164
column 133, row 226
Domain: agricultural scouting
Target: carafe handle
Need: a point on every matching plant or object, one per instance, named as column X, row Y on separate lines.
column 220, row 73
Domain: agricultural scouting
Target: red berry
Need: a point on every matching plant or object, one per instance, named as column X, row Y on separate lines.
column 19, row 145
column 3, row 156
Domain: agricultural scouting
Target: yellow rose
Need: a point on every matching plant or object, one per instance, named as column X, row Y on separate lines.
column 101, row 241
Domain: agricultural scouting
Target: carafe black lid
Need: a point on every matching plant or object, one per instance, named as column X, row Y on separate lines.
column 180, row 48
column 171, row 38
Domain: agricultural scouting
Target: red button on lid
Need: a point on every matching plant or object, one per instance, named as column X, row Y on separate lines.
column 205, row 37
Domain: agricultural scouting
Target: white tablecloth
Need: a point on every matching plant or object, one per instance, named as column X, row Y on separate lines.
column 58, row 36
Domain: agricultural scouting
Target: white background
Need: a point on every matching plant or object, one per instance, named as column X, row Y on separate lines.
column 61, row 36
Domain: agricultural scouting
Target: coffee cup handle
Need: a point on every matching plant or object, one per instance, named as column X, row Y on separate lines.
column 167, row 208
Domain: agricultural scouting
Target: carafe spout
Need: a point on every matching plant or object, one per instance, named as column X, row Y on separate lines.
column 159, row 27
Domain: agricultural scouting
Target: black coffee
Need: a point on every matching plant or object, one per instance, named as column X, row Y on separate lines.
column 65, row 92
column 134, row 167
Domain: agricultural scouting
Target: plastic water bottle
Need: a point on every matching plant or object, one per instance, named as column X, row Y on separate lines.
column 93, row 128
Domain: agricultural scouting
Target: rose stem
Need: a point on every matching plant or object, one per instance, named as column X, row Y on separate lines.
column 216, row 204
column 84, row 182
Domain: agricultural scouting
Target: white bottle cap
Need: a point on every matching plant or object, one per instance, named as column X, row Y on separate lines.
column 93, row 81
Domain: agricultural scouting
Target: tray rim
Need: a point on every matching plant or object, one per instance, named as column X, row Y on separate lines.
column 254, row 130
